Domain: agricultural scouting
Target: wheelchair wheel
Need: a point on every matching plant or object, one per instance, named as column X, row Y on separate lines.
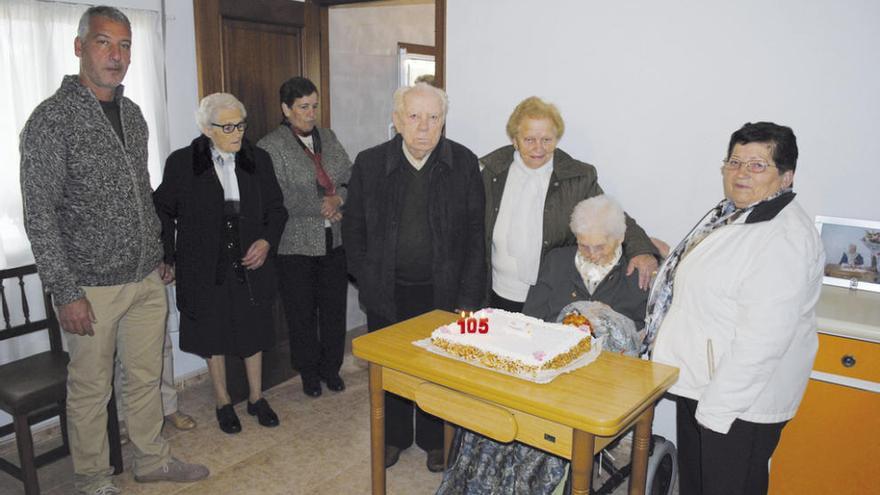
column 662, row 468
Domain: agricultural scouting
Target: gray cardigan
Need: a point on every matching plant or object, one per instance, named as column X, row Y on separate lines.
column 87, row 197
column 304, row 232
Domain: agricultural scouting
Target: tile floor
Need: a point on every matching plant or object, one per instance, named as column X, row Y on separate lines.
column 321, row 447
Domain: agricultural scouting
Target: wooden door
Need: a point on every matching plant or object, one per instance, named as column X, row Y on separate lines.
column 257, row 58
column 250, row 48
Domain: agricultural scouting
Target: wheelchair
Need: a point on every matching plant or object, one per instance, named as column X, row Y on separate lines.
column 661, row 473
column 661, row 476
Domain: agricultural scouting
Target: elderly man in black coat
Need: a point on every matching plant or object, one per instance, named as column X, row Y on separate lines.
column 413, row 234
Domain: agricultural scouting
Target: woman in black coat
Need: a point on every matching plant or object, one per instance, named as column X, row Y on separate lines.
column 222, row 216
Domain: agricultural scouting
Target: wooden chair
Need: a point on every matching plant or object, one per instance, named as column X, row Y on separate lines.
column 34, row 388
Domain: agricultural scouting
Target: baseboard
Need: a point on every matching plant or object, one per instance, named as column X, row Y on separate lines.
column 188, row 380
column 51, row 428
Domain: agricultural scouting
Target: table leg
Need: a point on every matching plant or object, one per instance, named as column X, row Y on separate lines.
column 582, row 446
column 640, row 447
column 377, row 429
column 448, row 433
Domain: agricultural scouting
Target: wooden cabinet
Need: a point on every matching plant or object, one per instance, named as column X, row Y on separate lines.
column 832, row 445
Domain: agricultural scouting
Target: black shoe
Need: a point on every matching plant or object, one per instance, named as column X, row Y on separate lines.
column 311, row 386
column 392, row 455
column 335, row 383
column 265, row 415
column 435, row 463
column 228, row 420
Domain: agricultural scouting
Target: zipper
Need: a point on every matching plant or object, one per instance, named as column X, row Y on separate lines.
column 710, row 359
column 131, row 173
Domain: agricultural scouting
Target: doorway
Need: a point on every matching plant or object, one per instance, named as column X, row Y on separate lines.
column 250, row 48
column 370, row 45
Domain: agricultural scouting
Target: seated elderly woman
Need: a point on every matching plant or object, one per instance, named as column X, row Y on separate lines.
column 593, row 270
column 222, row 216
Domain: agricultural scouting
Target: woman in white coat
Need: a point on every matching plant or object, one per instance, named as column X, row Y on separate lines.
column 733, row 306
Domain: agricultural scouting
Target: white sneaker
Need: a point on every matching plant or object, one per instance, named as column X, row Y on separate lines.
column 107, row 489
column 176, row 471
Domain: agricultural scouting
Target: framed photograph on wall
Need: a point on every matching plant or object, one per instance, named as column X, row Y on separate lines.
column 852, row 252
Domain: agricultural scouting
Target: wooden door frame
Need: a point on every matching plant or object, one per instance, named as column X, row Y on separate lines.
column 440, row 43
column 315, row 48
column 418, row 49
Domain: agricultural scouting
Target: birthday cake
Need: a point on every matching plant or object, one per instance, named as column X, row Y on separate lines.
column 513, row 342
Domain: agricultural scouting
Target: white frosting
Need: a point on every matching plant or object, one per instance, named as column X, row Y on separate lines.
column 532, row 341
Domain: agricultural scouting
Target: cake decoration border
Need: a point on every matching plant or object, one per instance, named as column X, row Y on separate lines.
column 540, row 376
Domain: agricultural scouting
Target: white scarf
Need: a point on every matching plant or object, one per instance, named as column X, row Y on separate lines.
column 224, row 166
column 594, row 274
column 526, row 232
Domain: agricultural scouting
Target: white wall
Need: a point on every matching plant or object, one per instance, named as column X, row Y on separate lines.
column 181, row 83
column 651, row 91
column 180, row 69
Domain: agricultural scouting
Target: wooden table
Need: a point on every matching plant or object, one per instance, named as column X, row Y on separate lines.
column 574, row 417
column 862, row 275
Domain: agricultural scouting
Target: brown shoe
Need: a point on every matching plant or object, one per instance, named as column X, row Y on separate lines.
column 181, row 421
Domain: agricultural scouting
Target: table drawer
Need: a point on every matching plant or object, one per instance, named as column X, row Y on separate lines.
column 468, row 412
column 848, row 357
column 453, row 406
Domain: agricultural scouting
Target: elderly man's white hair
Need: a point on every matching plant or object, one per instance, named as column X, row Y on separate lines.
column 400, row 95
column 599, row 215
column 213, row 103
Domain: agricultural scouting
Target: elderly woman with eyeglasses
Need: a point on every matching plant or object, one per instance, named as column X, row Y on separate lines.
column 531, row 188
column 733, row 307
column 222, row 216
column 592, row 270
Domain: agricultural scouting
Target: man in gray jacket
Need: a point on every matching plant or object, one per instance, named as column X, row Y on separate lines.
column 95, row 236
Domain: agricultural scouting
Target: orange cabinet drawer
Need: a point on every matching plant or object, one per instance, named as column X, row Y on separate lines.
column 848, row 357
column 831, row 446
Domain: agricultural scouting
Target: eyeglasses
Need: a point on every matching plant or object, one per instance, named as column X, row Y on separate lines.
column 753, row 166
column 229, row 128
